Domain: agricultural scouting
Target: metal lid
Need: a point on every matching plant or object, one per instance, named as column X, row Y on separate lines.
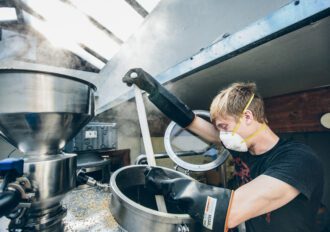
column 178, row 140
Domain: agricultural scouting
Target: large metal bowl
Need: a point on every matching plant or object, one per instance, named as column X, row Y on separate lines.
column 134, row 208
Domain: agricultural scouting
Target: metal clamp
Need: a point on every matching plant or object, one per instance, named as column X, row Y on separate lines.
column 22, row 185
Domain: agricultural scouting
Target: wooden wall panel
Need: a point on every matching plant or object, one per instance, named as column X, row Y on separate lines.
column 298, row 112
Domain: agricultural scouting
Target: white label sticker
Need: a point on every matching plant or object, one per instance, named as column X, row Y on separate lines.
column 210, row 206
column 90, row 134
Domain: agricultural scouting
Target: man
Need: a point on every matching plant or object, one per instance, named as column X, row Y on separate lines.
column 281, row 182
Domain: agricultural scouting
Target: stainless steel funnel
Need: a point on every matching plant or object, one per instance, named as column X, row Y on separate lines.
column 40, row 111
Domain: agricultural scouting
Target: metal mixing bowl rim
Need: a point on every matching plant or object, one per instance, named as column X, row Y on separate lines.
column 138, row 207
column 12, row 70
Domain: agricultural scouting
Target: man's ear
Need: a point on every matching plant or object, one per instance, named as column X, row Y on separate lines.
column 248, row 116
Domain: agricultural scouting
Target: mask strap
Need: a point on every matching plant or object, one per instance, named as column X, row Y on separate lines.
column 261, row 128
column 245, row 108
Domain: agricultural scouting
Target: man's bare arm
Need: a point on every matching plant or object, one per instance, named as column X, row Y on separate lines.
column 204, row 129
column 262, row 195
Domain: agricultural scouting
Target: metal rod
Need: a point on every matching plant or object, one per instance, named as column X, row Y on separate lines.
column 144, row 127
column 147, row 141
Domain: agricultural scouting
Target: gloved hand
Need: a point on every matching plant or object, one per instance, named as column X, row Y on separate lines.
column 166, row 102
column 206, row 204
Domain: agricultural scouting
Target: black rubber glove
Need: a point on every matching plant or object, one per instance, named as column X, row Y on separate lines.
column 206, row 204
column 166, row 102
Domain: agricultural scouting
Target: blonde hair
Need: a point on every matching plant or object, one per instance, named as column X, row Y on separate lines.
column 232, row 101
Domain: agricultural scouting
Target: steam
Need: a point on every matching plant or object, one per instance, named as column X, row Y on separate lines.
column 125, row 115
column 48, row 54
column 55, row 30
column 129, row 132
column 35, row 49
column 13, row 45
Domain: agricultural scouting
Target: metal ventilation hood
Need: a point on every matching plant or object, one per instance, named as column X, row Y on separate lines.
column 294, row 62
column 285, row 52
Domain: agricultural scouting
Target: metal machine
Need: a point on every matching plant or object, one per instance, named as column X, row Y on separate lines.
column 39, row 112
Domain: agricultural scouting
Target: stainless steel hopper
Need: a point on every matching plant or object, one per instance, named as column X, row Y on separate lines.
column 39, row 112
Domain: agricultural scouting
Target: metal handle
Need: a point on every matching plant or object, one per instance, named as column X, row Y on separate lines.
column 146, row 139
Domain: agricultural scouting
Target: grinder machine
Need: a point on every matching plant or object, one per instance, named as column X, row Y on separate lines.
column 39, row 112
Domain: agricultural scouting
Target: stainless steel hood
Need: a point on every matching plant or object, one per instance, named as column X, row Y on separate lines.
column 294, row 62
column 286, row 51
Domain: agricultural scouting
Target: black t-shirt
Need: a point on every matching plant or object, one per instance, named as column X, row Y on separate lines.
column 295, row 164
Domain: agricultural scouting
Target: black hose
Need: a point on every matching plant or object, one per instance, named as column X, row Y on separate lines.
column 8, row 201
column 82, row 178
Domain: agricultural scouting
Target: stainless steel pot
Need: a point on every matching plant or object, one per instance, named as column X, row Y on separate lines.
column 134, row 207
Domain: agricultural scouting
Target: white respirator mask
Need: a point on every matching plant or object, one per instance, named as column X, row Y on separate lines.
column 232, row 140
